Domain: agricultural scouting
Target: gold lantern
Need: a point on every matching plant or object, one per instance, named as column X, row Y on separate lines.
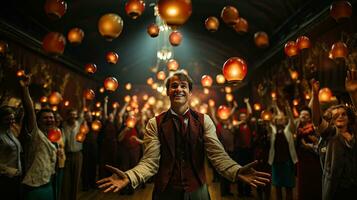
column 55, row 9
column 112, row 57
column 161, row 75
column 54, row 43
column 134, row 8
column 175, row 38
column 261, row 39
column 234, row 69
column 241, row 26
column 101, row 90
column 340, row 10
column 266, row 115
column 83, row 128
column 110, row 26
column 115, row 105
column 229, row 97
column 223, row 112
column 205, row 91
column 98, row 104
column 153, row 30
column 55, row 98
column 145, row 97
column 96, row 125
column 130, row 122
column 66, row 103
column 90, row 68
column 220, row 79
column 172, row 65
column 211, row 102
column 295, row 102
column 128, row 86
column 303, row 42
column 111, row 84
column 206, row 81
column 127, row 98
column 229, row 15
column 150, row 81
column 294, row 74
column 291, row 49
column 75, row 36
column 80, row 137
column 325, row 95
column 43, row 99
column 89, row 94
column 151, row 101
column 175, row 12
column 257, row 107
column 212, row 24
column 228, row 89
column 20, row 73
column 3, row 47
column 339, row 50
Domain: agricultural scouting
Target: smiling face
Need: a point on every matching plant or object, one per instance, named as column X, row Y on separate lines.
column 179, row 91
column 339, row 117
column 304, row 116
column 46, row 121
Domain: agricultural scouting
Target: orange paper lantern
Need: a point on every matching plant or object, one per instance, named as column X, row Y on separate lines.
column 325, row 95
column 339, row 50
column 111, row 84
column 134, row 8
column 90, row 68
column 229, row 97
column 172, row 65
column 241, row 26
column 175, row 38
column 257, row 107
column 229, row 15
column 55, row 98
column 153, row 30
column 75, row 36
column 54, row 134
column 150, row 81
column 130, row 122
column 212, row 24
column 266, row 115
column 211, row 102
column 303, row 42
column 234, row 69
column 66, row 103
column 128, row 86
column 96, row 125
column 175, row 12
column 43, row 99
column 112, row 57
column 291, row 49
column 223, row 112
column 80, row 137
column 261, row 39
column 20, row 73
column 55, row 9
column 110, row 26
column 54, row 43
column 206, row 81
column 340, row 10
column 101, row 90
column 220, row 79
column 161, row 75
column 83, row 128
column 89, row 94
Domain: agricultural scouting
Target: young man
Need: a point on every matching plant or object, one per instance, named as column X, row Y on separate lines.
column 175, row 145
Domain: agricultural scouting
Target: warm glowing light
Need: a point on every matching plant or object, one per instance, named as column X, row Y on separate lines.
column 266, row 115
column 101, row 90
column 128, row 86
column 20, row 73
column 55, row 98
column 110, row 26
column 111, row 84
column 98, row 104
column 54, row 43
column 234, row 69
column 161, row 75
column 206, row 81
column 75, row 36
column 55, row 9
column 241, row 26
column 295, row 102
column 340, row 10
column 257, row 107
column 261, row 39
column 115, row 105
column 212, row 24
column 174, row 12
column 175, row 38
column 339, row 50
column 228, row 89
column 303, row 42
column 153, row 30
column 80, row 137
column 220, row 79
column 229, row 97
column 96, row 125
column 66, row 103
column 325, row 95
column 291, row 49
column 112, row 57
column 127, row 98
column 150, row 81
column 134, row 8
column 90, row 68
column 172, row 65
column 43, row 99
column 223, row 112
column 205, row 91
column 229, row 15
column 130, row 122
column 89, row 94
column 294, row 75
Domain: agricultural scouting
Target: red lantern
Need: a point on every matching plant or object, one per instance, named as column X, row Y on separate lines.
column 325, row 95
column 111, row 84
column 161, row 75
column 220, row 79
column 172, row 65
column 90, row 68
column 153, row 30
column 130, row 122
column 266, row 115
column 55, row 98
column 54, row 134
column 55, row 9
column 212, row 24
column 303, row 42
column 291, row 49
column 89, row 94
column 339, row 50
column 229, row 15
column 54, row 43
column 175, row 12
column 241, row 26
column 96, row 125
column 3, row 47
column 234, row 69
column 340, row 10
column 134, row 8
column 175, row 38
column 110, row 26
column 261, row 39
column 206, row 81
column 75, row 36
column 112, row 57
column 223, row 112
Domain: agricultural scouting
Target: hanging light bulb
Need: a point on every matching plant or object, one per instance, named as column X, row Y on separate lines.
column 175, row 12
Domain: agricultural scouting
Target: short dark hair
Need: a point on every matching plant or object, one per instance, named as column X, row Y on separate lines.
column 182, row 76
column 44, row 110
column 6, row 110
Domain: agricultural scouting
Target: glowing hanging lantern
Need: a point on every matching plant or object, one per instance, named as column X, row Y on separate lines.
column 161, row 75
column 145, row 97
column 291, row 49
column 54, row 43
column 75, row 36
column 303, row 42
column 111, row 84
column 54, row 134
column 112, row 57
column 339, row 50
column 220, row 79
column 130, row 122
column 153, row 30
column 150, row 81
column 96, row 125
column 110, row 26
column 206, row 81
column 223, row 112
column 325, row 95
column 154, row 86
column 172, row 65
column 127, row 98
column 273, row 95
column 174, row 12
column 241, row 26
column 175, row 38
column 211, row 102
column 228, row 89
column 203, row 109
column 307, row 96
column 54, row 108
column 3, row 47
column 80, row 137
column 89, row 94
column 115, row 105
column 55, row 9
column 261, row 39
column 43, row 99
column 257, row 107
column 90, row 68
column 295, row 102
column 151, row 101
column 101, row 90
column 66, row 103
column 20, row 73
column 229, row 15
column 294, row 74
column 212, row 24
column 229, row 97
column 266, row 115
column 83, row 128
column 340, row 10
column 234, row 69
column 98, row 104
column 128, row 86
column 134, row 8
column 55, row 98
column 205, row 91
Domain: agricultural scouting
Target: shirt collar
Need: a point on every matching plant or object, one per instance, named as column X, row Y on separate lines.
column 173, row 112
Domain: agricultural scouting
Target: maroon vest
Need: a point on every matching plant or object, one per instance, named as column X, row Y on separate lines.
column 192, row 172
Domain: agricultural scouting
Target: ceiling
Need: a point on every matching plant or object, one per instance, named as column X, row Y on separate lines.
column 200, row 52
